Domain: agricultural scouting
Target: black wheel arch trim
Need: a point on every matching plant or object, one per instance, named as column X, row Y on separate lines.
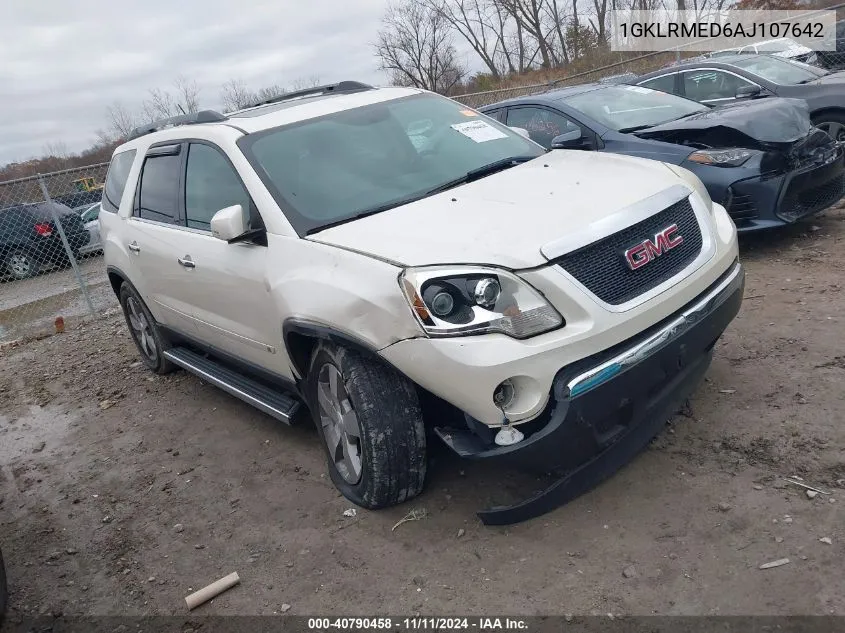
column 321, row 332
column 124, row 278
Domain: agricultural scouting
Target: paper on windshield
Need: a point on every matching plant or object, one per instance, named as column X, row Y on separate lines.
column 479, row 131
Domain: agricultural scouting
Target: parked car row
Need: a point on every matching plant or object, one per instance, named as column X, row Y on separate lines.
column 30, row 239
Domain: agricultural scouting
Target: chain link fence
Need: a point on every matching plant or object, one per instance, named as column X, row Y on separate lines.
column 51, row 266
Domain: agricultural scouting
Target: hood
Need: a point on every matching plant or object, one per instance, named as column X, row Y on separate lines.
column 753, row 124
column 833, row 79
column 504, row 219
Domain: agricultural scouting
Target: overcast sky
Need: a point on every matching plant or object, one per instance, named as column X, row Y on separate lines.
column 63, row 61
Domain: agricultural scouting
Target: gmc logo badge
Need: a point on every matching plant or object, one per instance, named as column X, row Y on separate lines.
column 648, row 250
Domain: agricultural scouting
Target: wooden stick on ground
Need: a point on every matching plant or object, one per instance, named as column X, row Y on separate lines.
column 212, row 591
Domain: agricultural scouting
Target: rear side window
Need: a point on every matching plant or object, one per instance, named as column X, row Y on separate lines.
column 158, row 197
column 211, row 184
column 116, row 179
column 666, row 83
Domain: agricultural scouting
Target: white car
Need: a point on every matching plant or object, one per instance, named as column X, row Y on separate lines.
column 781, row 47
column 91, row 223
column 311, row 256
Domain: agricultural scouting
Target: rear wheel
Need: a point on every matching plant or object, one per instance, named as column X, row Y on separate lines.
column 370, row 420
column 833, row 123
column 20, row 264
column 149, row 340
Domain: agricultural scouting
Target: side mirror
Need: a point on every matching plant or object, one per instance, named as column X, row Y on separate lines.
column 230, row 223
column 745, row 92
column 521, row 131
column 568, row 140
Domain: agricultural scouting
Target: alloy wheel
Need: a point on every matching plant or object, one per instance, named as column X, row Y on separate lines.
column 340, row 423
column 835, row 130
column 141, row 329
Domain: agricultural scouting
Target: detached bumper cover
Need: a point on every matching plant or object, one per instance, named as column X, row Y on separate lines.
column 606, row 410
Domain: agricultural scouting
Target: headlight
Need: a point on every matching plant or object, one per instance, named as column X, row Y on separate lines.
column 721, row 157
column 693, row 181
column 463, row 300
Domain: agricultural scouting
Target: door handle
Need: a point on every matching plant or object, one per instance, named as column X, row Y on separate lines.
column 134, row 247
column 186, row 262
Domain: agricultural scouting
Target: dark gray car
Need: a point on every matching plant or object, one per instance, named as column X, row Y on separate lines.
column 737, row 77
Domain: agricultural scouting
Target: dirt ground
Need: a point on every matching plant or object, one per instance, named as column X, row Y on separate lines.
column 123, row 491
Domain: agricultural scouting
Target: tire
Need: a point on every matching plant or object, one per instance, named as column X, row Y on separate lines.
column 833, row 123
column 383, row 408
column 149, row 340
column 20, row 264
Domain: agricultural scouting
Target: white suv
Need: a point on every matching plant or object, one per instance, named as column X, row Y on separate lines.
column 406, row 268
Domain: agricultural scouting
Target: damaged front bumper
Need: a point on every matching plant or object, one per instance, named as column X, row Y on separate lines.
column 606, row 409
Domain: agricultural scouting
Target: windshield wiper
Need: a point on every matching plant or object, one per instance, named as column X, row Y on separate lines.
column 471, row 175
column 636, row 128
column 480, row 172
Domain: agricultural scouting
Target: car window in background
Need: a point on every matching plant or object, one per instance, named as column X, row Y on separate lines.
column 92, row 213
column 159, row 194
column 329, row 169
column 627, row 107
column 709, row 85
column 541, row 124
column 666, row 83
column 116, row 179
column 210, row 185
column 778, row 71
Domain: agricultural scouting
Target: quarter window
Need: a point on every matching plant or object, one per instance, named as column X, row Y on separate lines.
column 211, row 184
column 666, row 83
column 116, row 180
column 159, row 193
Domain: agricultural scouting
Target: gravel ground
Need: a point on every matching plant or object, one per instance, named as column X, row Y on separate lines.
column 123, row 491
column 30, row 306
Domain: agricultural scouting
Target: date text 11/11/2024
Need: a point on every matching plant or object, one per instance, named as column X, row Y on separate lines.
column 420, row 623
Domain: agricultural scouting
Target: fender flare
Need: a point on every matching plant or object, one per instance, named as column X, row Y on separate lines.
column 301, row 335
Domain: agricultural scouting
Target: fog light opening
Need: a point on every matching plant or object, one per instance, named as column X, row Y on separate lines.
column 504, row 394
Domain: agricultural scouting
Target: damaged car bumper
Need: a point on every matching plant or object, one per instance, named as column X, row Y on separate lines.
column 606, row 409
column 767, row 200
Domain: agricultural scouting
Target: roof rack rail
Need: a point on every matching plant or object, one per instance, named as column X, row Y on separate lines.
column 203, row 116
column 343, row 87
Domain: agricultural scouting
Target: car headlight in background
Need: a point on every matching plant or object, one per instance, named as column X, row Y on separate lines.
column 721, row 157
column 693, row 181
column 464, row 300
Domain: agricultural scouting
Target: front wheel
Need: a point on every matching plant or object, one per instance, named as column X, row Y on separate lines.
column 371, row 424
column 832, row 123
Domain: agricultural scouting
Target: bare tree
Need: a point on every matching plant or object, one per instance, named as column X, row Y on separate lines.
column 532, row 16
column 270, row 92
column 416, row 47
column 187, row 94
column 304, row 83
column 159, row 105
column 235, row 95
column 476, row 21
column 121, row 120
column 56, row 149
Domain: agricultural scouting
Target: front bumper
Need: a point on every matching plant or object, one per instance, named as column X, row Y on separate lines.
column 604, row 410
column 764, row 201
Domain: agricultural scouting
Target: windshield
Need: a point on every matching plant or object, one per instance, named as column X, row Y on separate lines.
column 778, row 71
column 328, row 169
column 626, row 107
